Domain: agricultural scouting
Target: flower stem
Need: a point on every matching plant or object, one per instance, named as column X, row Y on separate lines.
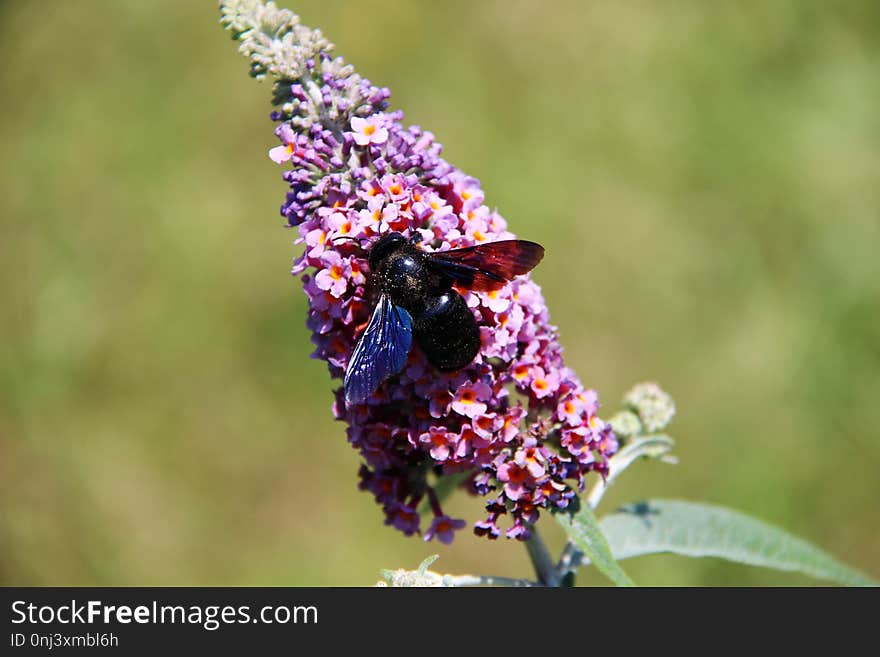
column 541, row 559
column 569, row 560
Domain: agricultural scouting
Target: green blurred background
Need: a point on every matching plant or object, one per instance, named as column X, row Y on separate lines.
column 705, row 177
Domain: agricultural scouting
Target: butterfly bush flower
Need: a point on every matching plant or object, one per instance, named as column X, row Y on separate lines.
column 516, row 426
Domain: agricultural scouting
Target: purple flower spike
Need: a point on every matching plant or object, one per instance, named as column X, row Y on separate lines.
column 516, row 422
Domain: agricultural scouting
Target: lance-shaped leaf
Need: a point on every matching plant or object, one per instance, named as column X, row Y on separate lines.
column 583, row 531
column 702, row 530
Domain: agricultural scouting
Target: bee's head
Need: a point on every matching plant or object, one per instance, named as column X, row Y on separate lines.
column 384, row 247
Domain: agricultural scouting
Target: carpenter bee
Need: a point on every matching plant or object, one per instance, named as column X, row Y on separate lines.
column 416, row 300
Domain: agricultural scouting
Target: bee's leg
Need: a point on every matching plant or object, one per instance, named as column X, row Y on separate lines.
column 415, row 238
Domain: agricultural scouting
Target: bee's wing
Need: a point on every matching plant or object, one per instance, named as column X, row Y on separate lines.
column 489, row 266
column 381, row 351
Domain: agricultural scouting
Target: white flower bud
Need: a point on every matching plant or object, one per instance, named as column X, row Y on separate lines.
column 654, row 407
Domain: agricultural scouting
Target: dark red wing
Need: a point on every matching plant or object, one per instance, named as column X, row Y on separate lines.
column 490, row 266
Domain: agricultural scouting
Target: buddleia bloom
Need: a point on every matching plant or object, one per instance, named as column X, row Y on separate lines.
column 516, row 426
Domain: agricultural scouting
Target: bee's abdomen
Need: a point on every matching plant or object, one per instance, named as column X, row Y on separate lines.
column 447, row 332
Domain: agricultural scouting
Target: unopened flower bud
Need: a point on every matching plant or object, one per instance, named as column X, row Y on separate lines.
column 654, row 407
column 626, row 424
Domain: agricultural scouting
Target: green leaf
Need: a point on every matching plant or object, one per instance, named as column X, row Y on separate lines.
column 583, row 530
column 702, row 530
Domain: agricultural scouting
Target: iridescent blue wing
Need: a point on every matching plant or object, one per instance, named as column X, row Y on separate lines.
column 381, row 352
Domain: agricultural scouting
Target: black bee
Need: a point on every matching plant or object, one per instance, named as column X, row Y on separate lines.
column 417, row 300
